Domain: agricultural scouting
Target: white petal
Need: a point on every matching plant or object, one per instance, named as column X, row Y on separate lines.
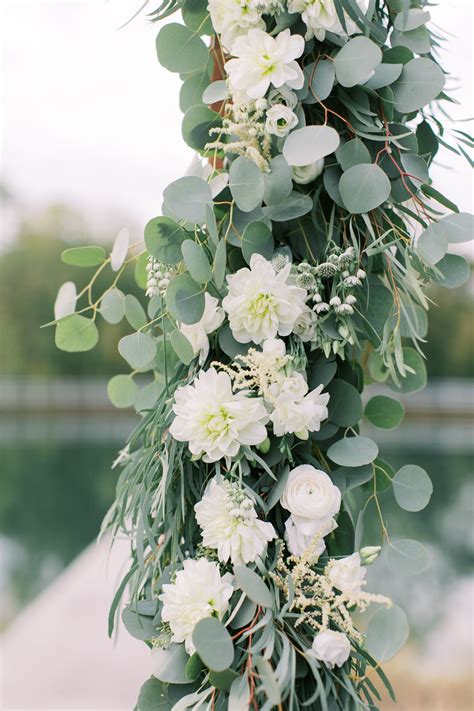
column 65, row 303
column 120, row 249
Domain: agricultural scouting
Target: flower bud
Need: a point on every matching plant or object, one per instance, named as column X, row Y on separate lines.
column 369, row 554
column 264, row 447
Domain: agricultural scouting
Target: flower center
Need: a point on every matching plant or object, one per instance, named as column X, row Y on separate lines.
column 217, row 423
column 262, row 305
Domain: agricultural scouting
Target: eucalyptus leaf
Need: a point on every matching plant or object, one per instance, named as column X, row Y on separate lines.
column 384, row 412
column 257, row 239
column 182, row 347
column 413, row 381
column 364, row 187
column 294, row 206
column 384, row 75
column 76, row 334
column 163, row 239
column 246, row 184
column 187, row 198
column 185, row 299
column 387, row 633
column 217, row 91
column 455, row 271
column 180, row 49
column 83, row 256
column 134, row 312
column 153, row 696
column 345, row 404
column 138, row 349
column 412, row 488
column 197, row 124
column 309, row 144
column 122, row 390
column 353, row 451
column 65, row 303
column 214, row 644
column 357, row 59
column 120, row 249
column 352, row 153
column 196, row 261
column 420, row 82
column 407, row 557
column 320, row 78
column 253, row 586
column 169, row 665
column 112, row 306
column 278, row 182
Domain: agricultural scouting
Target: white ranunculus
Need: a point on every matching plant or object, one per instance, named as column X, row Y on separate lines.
column 331, row 647
column 320, row 16
column 261, row 304
column 283, row 95
column 347, row 574
column 233, row 18
column 275, row 347
column 304, row 174
column 296, row 412
column 305, row 325
column 280, row 120
column 197, row 333
column 311, row 498
column 230, row 524
column 198, row 591
column 213, row 420
column 298, row 542
column 261, row 60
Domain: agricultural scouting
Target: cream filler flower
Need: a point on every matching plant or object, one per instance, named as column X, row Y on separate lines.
column 261, row 303
column 198, row 591
column 213, row 420
column 197, row 333
column 230, row 524
column 233, row 18
column 261, row 60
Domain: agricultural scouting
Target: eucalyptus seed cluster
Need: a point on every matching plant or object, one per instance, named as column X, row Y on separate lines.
column 159, row 276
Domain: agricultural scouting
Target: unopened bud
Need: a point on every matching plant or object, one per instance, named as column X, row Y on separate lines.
column 369, row 554
column 264, row 447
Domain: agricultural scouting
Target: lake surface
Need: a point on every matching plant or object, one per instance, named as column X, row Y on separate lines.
column 57, row 483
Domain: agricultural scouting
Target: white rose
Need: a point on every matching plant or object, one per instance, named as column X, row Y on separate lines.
column 280, row 120
column 275, row 347
column 304, row 174
column 311, row 498
column 331, row 647
column 283, row 95
column 298, row 543
column 347, row 574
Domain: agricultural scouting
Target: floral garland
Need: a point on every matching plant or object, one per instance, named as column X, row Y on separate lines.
column 288, row 270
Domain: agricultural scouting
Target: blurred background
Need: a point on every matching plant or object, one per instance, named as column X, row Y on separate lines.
column 90, row 131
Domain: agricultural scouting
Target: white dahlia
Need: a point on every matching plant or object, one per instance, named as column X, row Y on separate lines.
column 198, row 591
column 261, row 303
column 233, row 18
column 230, row 525
column 197, row 333
column 320, row 16
column 213, row 420
column 261, row 60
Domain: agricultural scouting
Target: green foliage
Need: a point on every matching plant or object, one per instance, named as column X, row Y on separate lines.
column 246, row 184
column 83, row 256
column 309, row 144
column 213, row 644
column 364, row 187
column 180, row 50
column 187, row 198
column 76, row 334
column 387, row 633
column 185, row 299
column 384, row 412
column 253, row 586
column 353, row 451
column 356, row 60
column 163, row 239
column 412, row 488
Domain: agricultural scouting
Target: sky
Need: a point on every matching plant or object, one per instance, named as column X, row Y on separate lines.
column 91, row 119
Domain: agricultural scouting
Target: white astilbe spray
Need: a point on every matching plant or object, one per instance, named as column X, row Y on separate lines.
column 230, row 524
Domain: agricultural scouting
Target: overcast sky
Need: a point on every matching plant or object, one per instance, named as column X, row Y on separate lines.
column 90, row 118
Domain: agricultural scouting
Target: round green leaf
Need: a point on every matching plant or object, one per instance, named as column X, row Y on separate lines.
column 356, row 60
column 185, row 299
column 455, row 271
column 134, row 312
column 76, row 334
column 432, row 244
column 217, row 91
column 83, row 256
column 353, row 451
column 420, row 82
column 459, row 227
column 364, row 187
column 246, row 184
column 384, row 412
column 147, row 396
column 309, row 144
column 412, row 488
column 257, row 239
column 355, row 476
column 196, row 17
column 278, row 182
column 253, row 586
column 229, row 345
column 112, row 306
column 387, row 633
column 384, row 75
column 407, row 557
column 163, row 239
column 138, row 349
column 138, row 626
column 197, row 123
column 192, row 90
column 187, row 198
column 345, row 404
column 153, row 696
column 122, row 390
column 411, row 20
column 196, row 261
column 320, row 78
column 295, row 205
column 352, row 153
column 417, row 40
column 180, row 50
column 169, row 665
column 213, row 644
column 182, row 347
column 413, row 381
column 224, row 679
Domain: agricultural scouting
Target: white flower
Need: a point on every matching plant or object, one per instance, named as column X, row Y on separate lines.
column 320, row 16
column 275, row 347
column 262, row 60
column 304, row 174
column 280, row 120
column 198, row 591
column 296, row 412
column 233, row 18
column 305, row 325
column 311, row 498
column 331, row 647
column 230, row 525
column 298, row 542
column 347, row 574
column 283, row 95
column 197, row 333
column 260, row 302
column 215, row 421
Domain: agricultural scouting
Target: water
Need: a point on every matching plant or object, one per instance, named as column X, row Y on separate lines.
column 56, row 485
